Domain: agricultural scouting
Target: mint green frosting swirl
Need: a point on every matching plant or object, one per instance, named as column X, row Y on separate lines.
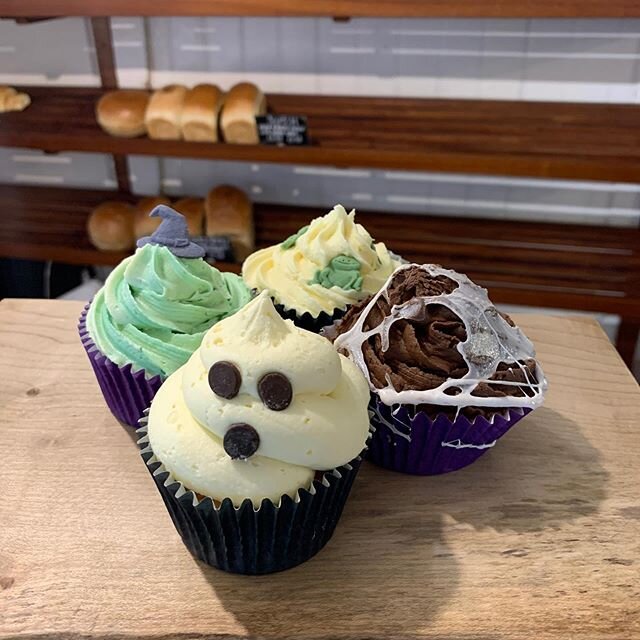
column 154, row 308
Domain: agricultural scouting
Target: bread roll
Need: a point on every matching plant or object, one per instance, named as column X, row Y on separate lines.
column 164, row 112
column 230, row 213
column 241, row 106
column 121, row 113
column 199, row 121
column 193, row 210
column 143, row 225
column 6, row 93
column 12, row 100
column 18, row 102
column 110, row 226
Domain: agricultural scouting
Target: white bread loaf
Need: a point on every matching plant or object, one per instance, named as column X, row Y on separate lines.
column 241, row 106
column 229, row 213
column 164, row 113
column 200, row 111
column 193, row 210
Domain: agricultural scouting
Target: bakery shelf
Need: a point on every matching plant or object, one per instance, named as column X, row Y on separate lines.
column 331, row 8
column 41, row 223
column 544, row 140
column 521, row 262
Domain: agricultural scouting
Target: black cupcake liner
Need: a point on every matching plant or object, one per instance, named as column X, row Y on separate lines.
column 308, row 321
column 411, row 442
column 250, row 540
column 127, row 392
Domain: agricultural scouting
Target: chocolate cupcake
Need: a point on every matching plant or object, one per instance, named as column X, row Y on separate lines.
column 316, row 274
column 255, row 442
column 152, row 313
column 448, row 373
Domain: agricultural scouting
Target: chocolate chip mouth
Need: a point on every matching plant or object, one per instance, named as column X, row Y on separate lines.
column 241, row 441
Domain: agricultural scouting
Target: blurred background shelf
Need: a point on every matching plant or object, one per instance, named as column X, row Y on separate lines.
column 520, row 262
column 42, row 223
column 545, row 140
column 352, row 8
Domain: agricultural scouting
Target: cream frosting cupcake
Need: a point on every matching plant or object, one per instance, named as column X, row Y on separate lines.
column 321, row 270
column 246, row 417
column 263, row 428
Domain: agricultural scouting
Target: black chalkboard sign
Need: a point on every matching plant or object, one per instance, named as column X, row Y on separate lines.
column 216, row 247
column 282, row 129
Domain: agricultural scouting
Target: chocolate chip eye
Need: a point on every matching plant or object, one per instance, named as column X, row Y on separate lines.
column 225, row 379
column 241, row 441
column 275, row 391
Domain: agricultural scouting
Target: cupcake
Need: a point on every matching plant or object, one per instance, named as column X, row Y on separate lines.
column 317, row 273
column 255, row 442
column 152, row 313
column 448, row 373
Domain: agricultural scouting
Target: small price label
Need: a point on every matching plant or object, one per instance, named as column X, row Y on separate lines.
column 282, row 129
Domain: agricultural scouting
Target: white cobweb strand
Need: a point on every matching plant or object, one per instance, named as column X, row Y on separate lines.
column 490, row 341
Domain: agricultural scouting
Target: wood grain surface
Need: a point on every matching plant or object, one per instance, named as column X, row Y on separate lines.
column 538, row 139
column 331, row 8
column 538, row 539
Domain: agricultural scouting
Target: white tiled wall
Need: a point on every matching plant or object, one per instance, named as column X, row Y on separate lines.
column 580, row 60
column 556, row 60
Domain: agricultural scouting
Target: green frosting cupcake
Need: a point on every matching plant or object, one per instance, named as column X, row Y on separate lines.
column 155, row 308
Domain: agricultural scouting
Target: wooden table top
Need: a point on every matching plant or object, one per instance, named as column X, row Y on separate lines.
column 538, row 539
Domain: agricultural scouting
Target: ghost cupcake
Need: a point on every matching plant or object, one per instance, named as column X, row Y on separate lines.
column 254, row 443
column 316, row 274
column 152, row 313
column 448, row 373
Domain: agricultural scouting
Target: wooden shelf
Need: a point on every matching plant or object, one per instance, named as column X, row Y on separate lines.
column 329, row 8
column 544, row 140
column 521, row 263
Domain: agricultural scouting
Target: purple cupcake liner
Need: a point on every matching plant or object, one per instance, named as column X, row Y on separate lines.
column 306, row 320
column 127, row 393
column 246, row 539
column 418, row 444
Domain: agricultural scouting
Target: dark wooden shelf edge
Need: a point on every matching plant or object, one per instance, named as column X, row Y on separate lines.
column 536, row 264
column 60, row 253
column 603, row 169
column 537, row 140
column 330, row 8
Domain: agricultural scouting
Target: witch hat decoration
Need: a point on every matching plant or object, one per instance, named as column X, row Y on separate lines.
column 172, row 233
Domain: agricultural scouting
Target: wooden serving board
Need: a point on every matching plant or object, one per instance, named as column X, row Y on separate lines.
column 538, row 539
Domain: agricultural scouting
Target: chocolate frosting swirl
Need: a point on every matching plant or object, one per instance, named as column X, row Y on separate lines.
column 422, row 352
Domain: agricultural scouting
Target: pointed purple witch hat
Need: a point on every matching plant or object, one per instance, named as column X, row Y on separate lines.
column 172, row 233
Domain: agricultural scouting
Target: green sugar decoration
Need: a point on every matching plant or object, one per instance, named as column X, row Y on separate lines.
column 291, row 240
column 343, row 272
